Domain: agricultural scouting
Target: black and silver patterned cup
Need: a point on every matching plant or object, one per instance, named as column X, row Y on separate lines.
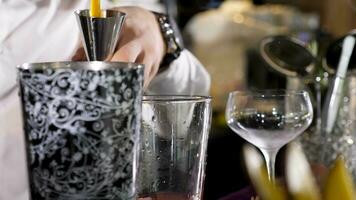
column 82, row 124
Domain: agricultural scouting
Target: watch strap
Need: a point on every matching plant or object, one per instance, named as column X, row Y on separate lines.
column 172, row 38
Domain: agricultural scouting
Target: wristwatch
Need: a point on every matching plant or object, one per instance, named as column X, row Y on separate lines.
column 172, row 37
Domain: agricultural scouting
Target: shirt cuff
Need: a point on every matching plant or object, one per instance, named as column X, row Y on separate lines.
column 185, row 76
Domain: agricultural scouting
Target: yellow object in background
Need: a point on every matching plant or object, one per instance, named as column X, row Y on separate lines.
column 95, row 9
column 339, row 183
column 258, row 173
column 300, row 180
column 301, row 185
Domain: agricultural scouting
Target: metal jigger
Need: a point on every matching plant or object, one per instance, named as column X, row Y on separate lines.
column 100, row 35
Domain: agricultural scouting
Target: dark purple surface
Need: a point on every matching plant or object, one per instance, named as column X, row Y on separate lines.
column 244, row 194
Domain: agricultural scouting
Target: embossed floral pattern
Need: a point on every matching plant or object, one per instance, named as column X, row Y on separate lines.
column 81, row 128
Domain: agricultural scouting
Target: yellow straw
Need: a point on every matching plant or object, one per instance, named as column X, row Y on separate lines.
column 95, row 10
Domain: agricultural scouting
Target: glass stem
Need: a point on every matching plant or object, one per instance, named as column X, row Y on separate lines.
column 270, row 157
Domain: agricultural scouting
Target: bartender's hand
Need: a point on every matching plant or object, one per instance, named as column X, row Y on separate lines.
column 140, row 41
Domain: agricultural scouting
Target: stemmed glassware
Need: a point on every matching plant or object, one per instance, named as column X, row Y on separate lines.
column 269, row 119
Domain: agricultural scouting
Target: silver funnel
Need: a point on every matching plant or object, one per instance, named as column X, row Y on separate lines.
column 100, row 35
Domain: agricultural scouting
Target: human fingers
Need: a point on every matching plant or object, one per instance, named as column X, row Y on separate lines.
column 127, row 53
column 79, row 55
column 151, row 66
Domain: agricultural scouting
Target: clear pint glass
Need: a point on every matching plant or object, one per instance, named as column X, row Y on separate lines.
column 174, row 135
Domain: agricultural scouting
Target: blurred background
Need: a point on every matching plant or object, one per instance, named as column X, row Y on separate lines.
column 225, row 36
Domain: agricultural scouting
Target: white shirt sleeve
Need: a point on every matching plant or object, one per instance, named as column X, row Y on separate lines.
column 186, row 75
column 152, row 5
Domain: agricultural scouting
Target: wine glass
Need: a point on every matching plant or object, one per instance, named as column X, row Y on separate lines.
column 269, row 119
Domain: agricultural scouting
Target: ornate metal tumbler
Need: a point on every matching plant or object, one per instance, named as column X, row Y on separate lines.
column 81, row 122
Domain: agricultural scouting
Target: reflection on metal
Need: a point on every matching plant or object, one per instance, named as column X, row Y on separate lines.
column 287, row 55
column 333, row 53
column 100, row 35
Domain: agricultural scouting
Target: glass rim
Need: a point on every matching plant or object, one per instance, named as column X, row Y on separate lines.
column 175, row 98
column 92, row 65
column 269, row 92
column 107, row 13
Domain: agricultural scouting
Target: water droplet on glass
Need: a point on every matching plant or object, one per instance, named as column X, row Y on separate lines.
column 350, row 141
